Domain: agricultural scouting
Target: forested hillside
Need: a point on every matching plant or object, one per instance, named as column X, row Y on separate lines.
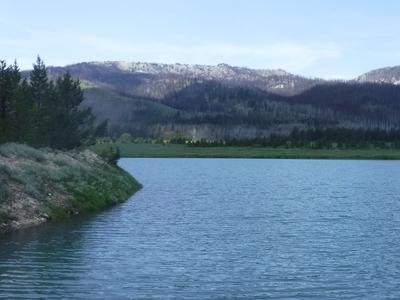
column 211, row 110
column 193, row 102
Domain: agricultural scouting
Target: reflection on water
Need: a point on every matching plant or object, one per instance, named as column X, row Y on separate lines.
column 223, row 228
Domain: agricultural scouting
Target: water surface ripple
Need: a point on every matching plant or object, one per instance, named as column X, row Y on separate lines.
column 223, row 229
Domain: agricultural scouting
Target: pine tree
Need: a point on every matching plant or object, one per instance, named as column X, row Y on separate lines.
column 24, row 115
column 43, row 113
column 40, row 92
column 4, row 99
column 9, row 83
column 72, row 125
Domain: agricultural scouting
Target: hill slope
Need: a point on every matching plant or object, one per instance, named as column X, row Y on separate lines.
column 212, row 110
column 157, row 80
column 217, row 102
column 384, row 75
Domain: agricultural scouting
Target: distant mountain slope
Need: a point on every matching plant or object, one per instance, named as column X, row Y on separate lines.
column 125, row 113
column 370, row 104
column 336, row 104
column 212, row 110
column 157, row 80
column 384, row 75
column 213, row 102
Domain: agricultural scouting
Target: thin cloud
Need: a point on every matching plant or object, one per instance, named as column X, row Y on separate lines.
column 295, row 57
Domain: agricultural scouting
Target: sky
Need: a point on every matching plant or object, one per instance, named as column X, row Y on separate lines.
column 315, row 38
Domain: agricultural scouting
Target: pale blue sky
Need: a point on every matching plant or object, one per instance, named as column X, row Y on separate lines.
column 340, row 38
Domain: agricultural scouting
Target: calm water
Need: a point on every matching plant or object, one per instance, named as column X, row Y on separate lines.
column 223, row 228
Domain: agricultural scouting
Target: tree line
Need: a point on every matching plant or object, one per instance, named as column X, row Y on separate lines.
column 347, row 105
column 42, row 112
column 336, row 138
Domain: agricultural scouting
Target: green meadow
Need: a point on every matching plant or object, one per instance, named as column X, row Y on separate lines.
column 174, row 150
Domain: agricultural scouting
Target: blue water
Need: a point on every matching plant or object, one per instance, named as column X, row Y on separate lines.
column 223, row 229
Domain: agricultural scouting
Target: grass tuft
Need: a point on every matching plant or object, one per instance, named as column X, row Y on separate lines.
column 22, row 151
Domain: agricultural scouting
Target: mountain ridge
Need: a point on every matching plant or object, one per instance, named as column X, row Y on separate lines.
column 382, row 75
column 157, row 79
column 223, row 101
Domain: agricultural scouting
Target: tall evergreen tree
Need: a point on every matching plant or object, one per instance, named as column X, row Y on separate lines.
column 43, row 113
column 39, row 83
column 67, row 120
column 40, row 94
column 71, row 125
column 9, row 83
column 24, row 115
column 4, row 99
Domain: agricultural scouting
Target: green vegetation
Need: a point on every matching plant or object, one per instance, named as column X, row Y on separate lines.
column 44, row 113
column 111, row 155
column 175, row 150
column 36, row 183
column 333, row 138
column 41, row 184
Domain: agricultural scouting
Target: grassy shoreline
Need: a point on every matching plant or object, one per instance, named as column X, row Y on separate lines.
column 175, row 151
column 38, row 185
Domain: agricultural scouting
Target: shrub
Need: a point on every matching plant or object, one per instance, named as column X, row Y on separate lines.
column 62, row 160
column 20, row 150
column 111, row 155
column 125, row 138
column 32, row 190
column 4, row 191
column 5, row 170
